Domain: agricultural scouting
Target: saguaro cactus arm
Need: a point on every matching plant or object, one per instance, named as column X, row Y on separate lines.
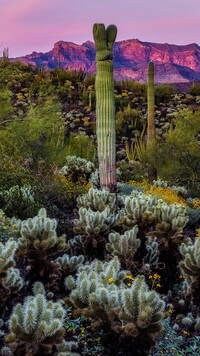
column 105, row 108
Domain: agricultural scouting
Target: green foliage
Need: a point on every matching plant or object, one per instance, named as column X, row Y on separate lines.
column 178, row 158
column 195, row 89
column 6, row 108
column 170, row 343
column 40, row 136
column 16, row 197
column 82, row 146
column 163, row 93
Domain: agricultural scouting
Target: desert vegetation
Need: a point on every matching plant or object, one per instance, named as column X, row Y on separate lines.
column 92, row 264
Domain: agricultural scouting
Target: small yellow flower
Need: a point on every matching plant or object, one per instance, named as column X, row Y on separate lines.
column 150, row 277
column 111, row 280
column 130, row 277
column 128, row 284
column 185, row 332
column 170, row 311
column 156, row 276
column 158, row 285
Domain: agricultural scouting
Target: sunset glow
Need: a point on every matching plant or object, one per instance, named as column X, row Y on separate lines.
column 35, row 25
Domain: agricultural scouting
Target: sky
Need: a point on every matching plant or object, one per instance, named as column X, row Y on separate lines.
column 35, row 25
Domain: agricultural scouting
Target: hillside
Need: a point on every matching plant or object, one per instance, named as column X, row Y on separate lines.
column 173, row 63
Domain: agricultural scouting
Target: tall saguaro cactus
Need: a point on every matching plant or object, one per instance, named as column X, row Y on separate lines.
column 105, row 107
column 151, row 127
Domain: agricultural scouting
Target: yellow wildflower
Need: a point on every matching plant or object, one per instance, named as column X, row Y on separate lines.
column 130, row 277
column 111, row 280
column 158, row 285
column 185, row 332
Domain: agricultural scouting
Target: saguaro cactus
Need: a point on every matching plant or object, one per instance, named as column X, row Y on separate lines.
column 105, row 108
column 151, row 128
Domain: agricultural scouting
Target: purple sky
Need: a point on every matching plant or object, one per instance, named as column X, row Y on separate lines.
column 35, row 25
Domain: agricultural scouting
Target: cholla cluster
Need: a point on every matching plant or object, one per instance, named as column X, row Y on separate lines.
column 77, row 167
column 148, row 210
column 100, row 288
column 191, row 253
column 190, row 265
column 23, row 193
column 38, row 235
column 70, row 264
column 179, row 190
column 37, row 322
column 97, row 200
column 124, row 245
column 10, row 279
column 93, row 223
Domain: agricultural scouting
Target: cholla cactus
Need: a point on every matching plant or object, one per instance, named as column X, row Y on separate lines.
column 124, row 246
column 149, row 211
column 16, row 192
column 39, row 241
column 100, row 290
column 13, row 281
column 10, row 280
column 77, row 167
column 93, row 276
column 70, row 264
column 39, row 237
column 36, row 325
column 93, row 228
column 7, row 253
column 152, row 256
column 190, row 265
column 97, row 200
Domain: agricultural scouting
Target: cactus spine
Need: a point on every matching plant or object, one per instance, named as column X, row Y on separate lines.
column 151, row 128
column 105, row 108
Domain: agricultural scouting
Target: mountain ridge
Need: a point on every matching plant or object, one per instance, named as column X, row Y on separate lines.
column 173, row 63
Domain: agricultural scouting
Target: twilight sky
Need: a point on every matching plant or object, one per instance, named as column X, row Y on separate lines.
column 35, row 25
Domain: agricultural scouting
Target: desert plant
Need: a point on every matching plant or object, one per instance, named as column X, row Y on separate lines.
column 105, row 109
column 76, row 167
column 93, row 227
column 39, row 242
column 190, row 265
column 133, row 314
column 97, row 200
column 151, row 127
column 36, row 325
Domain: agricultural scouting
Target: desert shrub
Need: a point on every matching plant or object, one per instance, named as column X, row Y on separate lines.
column 39, row 137
column 163, row 93
column 81, row 145
column 178, row 158
column 195, row 89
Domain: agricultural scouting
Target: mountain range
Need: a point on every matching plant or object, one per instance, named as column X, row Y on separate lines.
column 173, row 63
